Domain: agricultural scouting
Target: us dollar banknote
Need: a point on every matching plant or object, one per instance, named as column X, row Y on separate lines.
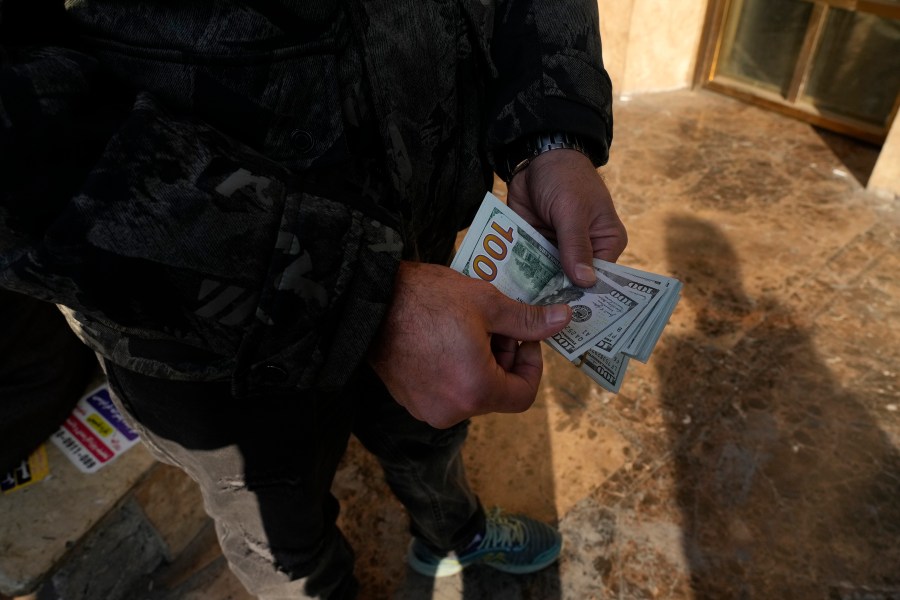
column 664, row 293
column 621, row 316
column 596, row 312
column 608, row 372
column 504, row 250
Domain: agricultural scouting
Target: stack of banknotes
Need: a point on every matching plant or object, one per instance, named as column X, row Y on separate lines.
column 618, row 318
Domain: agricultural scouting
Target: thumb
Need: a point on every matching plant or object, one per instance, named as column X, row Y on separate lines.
column 525, row 322
column 575, row 248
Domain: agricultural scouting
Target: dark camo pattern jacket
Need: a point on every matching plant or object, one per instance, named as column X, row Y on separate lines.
column 203, row 185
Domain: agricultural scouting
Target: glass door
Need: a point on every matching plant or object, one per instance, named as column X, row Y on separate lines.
column 835, row 63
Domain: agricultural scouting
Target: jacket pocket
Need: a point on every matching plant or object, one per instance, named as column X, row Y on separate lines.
column 329, row 284
column 282, row 100
column 169, row 237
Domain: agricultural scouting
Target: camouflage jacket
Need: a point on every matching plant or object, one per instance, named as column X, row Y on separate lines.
column 203, row 185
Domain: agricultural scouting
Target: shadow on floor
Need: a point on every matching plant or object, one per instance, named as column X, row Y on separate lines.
column 857, row 156
column 787, row 486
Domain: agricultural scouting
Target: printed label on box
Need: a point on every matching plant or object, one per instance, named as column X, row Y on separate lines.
column 95, row 433
column 31, row 470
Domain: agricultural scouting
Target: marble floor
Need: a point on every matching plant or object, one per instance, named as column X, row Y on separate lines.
column 757, row 454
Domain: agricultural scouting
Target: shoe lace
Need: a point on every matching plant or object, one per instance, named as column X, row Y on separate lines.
column 503, row 531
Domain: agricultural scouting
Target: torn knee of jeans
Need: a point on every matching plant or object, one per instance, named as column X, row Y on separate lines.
column 294, row 563
column 261, row 550
column 233, row 484
column 239, row 483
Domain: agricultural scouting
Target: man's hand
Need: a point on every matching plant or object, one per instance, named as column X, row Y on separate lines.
column 561, row 195
column 447, row 349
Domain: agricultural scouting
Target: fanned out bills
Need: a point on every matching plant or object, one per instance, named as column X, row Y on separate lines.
column 618, row 318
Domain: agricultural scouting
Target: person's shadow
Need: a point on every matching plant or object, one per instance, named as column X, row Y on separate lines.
column 787, row 486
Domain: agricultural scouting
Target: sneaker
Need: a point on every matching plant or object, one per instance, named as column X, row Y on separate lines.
column 511, row 543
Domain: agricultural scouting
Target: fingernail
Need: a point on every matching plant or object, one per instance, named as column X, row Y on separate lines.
column 585, row 273
column 557, row 313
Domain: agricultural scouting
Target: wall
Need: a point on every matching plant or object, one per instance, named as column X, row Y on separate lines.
column 650, row 45
column 885, row 177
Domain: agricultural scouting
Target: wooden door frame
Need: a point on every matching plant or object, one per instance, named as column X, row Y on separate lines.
column 711, row 46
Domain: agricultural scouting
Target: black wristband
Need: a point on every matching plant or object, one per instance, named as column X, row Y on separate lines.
column 519, row 154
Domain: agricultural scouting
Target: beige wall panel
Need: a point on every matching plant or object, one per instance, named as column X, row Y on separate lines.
column 615, row 30
column 885, row 177
column 663, row 45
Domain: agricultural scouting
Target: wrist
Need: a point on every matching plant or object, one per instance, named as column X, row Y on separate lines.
column 516, row 156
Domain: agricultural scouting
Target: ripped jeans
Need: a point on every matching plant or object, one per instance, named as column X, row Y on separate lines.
column 265, row 466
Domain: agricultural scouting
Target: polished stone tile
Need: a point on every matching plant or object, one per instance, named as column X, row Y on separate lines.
column 778, row 462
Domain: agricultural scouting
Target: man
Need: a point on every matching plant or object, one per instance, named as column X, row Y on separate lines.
column 244, row 208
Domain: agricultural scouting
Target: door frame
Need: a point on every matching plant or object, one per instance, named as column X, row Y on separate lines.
column 711, row 46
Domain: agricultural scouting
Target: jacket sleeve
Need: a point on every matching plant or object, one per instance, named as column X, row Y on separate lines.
column 180, row 251
column 550, row 74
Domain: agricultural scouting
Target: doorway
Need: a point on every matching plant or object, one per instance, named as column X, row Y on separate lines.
column 834, row 63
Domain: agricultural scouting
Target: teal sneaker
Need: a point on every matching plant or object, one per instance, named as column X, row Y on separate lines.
column 511, row 543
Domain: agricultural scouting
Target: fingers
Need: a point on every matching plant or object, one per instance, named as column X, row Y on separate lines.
column 575, row 246
column 504, row 349
column 529, row 365
column 611, row 246
column 485, row 389
column 515, row 389
column 522, row 321
column 587, row 227
column 436, row 312
column 563, row 189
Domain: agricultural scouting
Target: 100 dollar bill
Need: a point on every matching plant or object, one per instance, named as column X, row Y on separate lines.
column 504, row 250
column 596, row 312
